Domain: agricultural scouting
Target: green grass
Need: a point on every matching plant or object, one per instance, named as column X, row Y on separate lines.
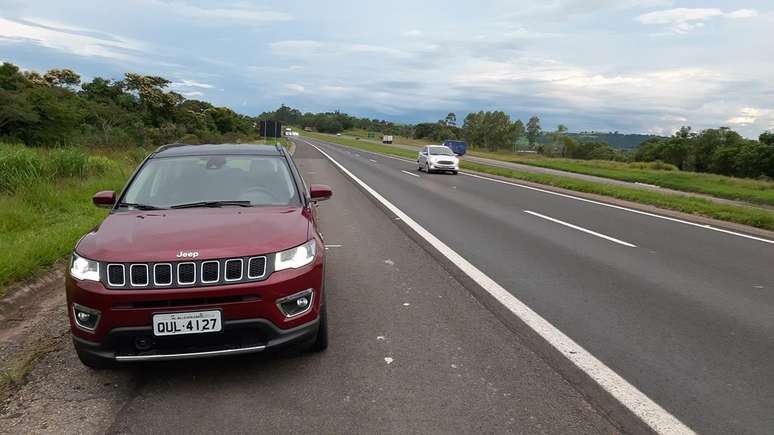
column 692, row 205
column 753, row 191
column 41, row 220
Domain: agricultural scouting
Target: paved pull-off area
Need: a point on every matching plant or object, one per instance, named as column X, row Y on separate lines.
column 411, row 352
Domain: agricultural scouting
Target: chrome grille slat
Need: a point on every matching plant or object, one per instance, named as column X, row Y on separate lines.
column 150, row 275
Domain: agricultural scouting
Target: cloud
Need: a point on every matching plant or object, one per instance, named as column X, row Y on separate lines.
column 192, row 94
column 413, row 33
column 374, row 49
column 75, row 40
column 295, row 47
column 748, row 116
column 683, row 20
column 223, row 13
column 190, row 84
column 293, row 89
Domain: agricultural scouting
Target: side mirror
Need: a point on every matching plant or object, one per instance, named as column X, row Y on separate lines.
column 320, row 192
column 104, row 199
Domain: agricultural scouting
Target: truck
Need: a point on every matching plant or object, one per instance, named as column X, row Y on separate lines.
column 288, row 131
column 387, row 138
column 457, row 146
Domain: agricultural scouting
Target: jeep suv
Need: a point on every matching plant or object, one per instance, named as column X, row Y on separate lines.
column 210, row 250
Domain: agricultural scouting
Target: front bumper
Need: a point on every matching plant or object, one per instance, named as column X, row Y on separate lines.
column 251, row 320
column 443, row 167
column 238, row 337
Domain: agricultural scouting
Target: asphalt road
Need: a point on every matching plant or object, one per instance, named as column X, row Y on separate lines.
column 684, row 313
column 548, row 171
column 411, row 352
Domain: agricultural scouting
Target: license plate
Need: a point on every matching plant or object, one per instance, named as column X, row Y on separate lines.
column 196, row 322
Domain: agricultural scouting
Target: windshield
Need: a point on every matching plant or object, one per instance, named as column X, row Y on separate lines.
column 440, row 151
column 257, row 180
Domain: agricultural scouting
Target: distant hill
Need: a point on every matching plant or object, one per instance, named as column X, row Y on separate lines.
column 614, row 139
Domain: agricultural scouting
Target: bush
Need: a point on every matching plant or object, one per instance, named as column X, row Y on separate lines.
column 65, row 162
column 657, row 165
column 100, row 165
column 21, row 166
column 18, row 166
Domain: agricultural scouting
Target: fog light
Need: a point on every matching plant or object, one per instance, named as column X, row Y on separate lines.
column 85, row 318
column 296, row 304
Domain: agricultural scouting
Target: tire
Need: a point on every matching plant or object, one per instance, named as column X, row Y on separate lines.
column 93, row 362
column 419, row 167
column 454, row 172
column 321, row 342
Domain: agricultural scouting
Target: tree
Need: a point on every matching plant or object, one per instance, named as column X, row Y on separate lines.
column 518, row 133
column 556, row 140
column 16, row 112
column 489, row 130
column 63, row 78
column 767, row 137
column 533, row 130
column 11, row 79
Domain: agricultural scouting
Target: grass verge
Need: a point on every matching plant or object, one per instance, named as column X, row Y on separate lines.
column 42, row 219
column 744, row 189
column 692, row 205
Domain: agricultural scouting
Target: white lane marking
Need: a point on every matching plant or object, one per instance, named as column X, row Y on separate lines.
column 332, row 246
column 647, row 185
column 587, row 231
column 618, row 207
column 659, row 419
column 591, row 201
column 372, row 160
column 409, row 173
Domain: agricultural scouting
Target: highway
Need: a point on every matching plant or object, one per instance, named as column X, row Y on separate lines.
column 411, row 351
column 521, row 167
column 682, row 312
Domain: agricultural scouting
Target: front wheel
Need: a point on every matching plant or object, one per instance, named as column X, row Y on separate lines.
column 454, row 172
column 321, row 342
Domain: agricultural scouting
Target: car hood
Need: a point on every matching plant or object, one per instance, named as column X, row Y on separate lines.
column 150, row 236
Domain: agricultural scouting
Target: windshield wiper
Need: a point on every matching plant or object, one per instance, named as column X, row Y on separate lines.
column 213, row 204
column 139, row 206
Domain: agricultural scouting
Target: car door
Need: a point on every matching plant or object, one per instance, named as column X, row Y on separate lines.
column 422, row 158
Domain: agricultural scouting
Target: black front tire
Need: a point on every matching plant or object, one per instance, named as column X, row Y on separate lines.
column 454, row 172
column 321, row 342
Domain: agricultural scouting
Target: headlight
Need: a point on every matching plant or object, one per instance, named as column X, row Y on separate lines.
column 295, row 257
column 83, row 269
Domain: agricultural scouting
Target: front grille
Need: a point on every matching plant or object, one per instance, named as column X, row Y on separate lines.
column 445, row 162
column 138, row 275
column 256, row 267
column 116, row 275
column 210, row 271
column 234, row 269
column 185, row 274
column 162, row 274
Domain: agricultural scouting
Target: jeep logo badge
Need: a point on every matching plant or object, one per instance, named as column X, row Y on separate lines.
column 189, row 254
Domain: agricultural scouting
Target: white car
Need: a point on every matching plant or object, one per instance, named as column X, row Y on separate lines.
column 438, row 158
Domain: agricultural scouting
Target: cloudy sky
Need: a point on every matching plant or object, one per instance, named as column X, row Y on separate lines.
column 627, row 65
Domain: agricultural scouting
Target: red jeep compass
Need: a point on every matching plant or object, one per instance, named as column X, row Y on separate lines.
column 209, row 250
